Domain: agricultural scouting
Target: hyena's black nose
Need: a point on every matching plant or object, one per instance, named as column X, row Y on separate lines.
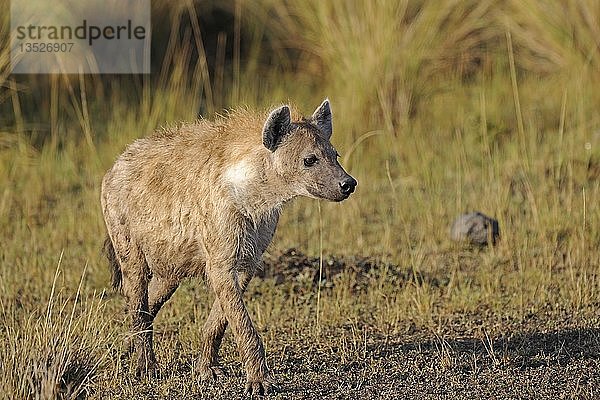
column 347, row 185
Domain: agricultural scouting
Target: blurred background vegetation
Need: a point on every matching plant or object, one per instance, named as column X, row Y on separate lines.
column 484, row 104
column 440, row 107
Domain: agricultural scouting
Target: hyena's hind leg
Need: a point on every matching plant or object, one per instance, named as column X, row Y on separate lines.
column 135, row 275
column 213, row 332
column 160, row 291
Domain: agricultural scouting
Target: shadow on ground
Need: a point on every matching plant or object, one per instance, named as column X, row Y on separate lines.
column 516, row 350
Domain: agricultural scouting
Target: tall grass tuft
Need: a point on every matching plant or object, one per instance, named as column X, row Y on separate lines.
column 56, row 352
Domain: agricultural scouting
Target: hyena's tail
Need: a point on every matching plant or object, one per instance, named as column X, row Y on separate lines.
column 115, row 268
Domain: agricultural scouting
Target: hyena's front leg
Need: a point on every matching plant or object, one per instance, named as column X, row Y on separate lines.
column 222, row 277
column 214, row 330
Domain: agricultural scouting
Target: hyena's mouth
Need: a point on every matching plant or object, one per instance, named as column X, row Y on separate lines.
column 331, row 195
column 344, row 196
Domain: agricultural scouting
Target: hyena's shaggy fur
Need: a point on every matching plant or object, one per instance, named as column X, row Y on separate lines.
column 204, row 199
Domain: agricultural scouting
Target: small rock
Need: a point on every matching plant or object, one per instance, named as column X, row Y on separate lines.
column 475, row 228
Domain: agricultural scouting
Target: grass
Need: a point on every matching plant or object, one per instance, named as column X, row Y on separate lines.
column 439, row 108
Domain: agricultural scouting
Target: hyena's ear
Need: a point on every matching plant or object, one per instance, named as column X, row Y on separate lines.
column 322, row 118
column 276, row 126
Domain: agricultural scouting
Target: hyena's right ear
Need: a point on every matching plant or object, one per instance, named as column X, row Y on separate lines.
column 276, row 127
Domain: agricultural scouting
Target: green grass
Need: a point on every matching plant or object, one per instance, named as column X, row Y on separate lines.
column 439, row 108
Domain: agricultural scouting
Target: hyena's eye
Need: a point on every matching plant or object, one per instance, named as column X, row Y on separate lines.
column 310, row 160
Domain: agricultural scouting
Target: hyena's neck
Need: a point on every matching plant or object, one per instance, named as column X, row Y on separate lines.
column 255, row 188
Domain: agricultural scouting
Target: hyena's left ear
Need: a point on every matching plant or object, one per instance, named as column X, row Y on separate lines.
column 276, row 127
column 322, row 118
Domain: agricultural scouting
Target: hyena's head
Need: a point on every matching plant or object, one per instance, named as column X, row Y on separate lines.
column 303, row 155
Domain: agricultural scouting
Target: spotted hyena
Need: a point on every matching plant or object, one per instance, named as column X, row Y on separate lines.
column 203, row 199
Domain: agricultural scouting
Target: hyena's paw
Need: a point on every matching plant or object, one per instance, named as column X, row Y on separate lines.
column 128, row 349
column 146, row 367
column 210, row 373
column 259, row 386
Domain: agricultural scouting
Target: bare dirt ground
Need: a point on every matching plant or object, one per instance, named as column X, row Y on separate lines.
column 550, row 354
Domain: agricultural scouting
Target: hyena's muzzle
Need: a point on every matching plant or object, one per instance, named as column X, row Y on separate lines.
column 334, row 184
